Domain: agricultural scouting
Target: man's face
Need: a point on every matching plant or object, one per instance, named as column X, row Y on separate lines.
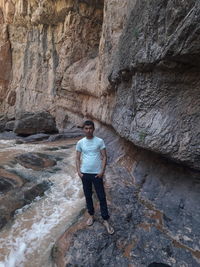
column 88, row 130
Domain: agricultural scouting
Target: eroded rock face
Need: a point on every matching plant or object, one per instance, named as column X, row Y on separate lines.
column 132, row 65
column 156, row 73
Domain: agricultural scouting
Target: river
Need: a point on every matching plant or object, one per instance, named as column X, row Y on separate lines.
column 27, row 241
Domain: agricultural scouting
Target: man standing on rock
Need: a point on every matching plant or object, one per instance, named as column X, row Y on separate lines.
column 91, row 163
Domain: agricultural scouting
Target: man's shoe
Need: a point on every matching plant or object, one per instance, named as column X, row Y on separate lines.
column 90, row 221
column 109, row 228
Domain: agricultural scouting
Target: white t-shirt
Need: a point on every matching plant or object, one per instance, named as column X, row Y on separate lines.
column 90, row 154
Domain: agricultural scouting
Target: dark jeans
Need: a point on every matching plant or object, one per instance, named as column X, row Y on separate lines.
column 88, row 179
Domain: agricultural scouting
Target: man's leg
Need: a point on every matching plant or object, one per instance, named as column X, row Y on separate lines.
column 99, row 188
column 87, row 188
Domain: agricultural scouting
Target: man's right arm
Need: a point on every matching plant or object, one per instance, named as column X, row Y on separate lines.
column 78, row 163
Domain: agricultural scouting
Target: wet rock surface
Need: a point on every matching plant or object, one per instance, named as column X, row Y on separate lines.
column 17, row 198
column 20, row 186
column 36, row 161
column 5, row 184
column 36, row 191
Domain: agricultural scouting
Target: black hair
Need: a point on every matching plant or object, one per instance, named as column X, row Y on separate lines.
column 88, row 122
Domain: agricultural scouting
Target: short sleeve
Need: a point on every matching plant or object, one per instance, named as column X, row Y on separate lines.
column 102, row 144
column 78, row 147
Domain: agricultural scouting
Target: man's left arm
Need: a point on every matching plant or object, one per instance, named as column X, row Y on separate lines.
column 104, row 161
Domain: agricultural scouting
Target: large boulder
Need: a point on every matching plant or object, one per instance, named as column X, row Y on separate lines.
column 32, row 123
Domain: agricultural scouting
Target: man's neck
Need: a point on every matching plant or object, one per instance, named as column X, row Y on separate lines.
column 89, row 137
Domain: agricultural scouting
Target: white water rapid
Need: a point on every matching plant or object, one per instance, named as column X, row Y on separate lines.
column 28, row 240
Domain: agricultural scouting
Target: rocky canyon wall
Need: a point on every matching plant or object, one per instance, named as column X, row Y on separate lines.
column 133, row 65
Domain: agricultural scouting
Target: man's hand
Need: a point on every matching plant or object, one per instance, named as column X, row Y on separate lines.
column 99, row 175
column 78, row 159
column 80, row 175
column 104, row 159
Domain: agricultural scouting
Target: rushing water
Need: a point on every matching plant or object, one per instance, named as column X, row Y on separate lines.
column 28, row 240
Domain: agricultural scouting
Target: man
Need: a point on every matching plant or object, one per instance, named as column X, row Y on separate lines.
column 91, row 163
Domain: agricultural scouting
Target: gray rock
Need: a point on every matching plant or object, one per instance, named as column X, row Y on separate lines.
column 156, row 77
column 8, row 136
column 36, row 161
column 33, row 123
column 36, row 137
column 64, row 136
column 35, row 191
column 10, row 125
